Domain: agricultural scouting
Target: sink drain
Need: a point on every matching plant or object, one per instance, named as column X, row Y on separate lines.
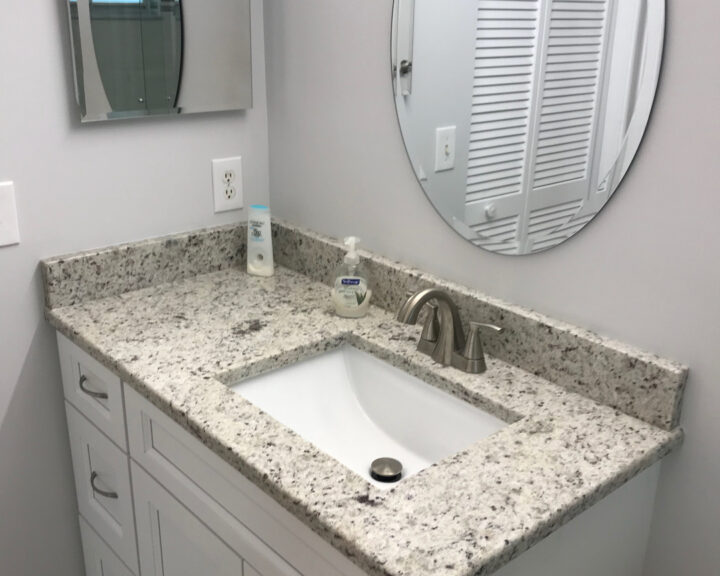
column 386, row 470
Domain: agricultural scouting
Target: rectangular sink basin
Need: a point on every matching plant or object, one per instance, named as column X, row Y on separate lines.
column 357, row 408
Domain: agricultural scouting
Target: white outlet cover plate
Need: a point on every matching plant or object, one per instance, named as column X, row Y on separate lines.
column 227, row 184
column 445, row 148
column 9, row 229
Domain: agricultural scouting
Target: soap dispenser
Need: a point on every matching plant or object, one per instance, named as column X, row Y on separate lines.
column 350, row 292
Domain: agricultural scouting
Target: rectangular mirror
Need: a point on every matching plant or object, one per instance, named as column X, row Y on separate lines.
column 137, row 58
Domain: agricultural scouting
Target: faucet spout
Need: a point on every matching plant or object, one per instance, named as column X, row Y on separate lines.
column 443, row 337
column 451, row 337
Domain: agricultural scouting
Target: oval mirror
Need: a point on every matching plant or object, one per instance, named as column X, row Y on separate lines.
column 521, row 117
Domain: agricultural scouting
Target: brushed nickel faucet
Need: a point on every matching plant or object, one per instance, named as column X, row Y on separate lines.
column 442, row 337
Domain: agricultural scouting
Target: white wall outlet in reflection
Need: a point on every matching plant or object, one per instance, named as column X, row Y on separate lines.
column 227, row 184
column 9, row 229
column 445, row 148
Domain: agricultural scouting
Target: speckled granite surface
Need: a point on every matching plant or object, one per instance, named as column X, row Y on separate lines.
column 640, row 384
column 77, row 278
column 176, row 343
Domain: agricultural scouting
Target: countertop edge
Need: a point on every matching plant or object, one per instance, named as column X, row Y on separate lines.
column 516, row 547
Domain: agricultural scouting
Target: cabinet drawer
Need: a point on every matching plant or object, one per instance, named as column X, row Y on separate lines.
column 100, row 560
column 191, row 471
column 102, row 482
column 93, row 390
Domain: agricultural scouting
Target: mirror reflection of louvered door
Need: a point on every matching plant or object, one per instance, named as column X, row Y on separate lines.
column 536, row 120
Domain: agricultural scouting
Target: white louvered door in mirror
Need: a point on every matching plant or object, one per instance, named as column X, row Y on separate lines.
column 501, row 118
column 569, row 120
column 557, row 97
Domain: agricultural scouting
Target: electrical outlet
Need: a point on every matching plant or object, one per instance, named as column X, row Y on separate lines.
column 227, row 184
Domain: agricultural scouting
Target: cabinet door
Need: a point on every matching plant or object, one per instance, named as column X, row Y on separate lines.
column 100, row 560
column 172, row 541
column 269, row 538
column 102, row 482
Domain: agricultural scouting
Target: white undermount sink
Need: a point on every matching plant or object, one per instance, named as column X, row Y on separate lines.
column 357, row 408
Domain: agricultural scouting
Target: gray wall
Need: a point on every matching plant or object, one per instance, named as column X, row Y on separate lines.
column 81, row 187
column 645, row 271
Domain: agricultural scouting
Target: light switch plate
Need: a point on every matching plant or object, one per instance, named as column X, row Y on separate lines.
column 9, row 230
column 445, row 148
column 227, row 184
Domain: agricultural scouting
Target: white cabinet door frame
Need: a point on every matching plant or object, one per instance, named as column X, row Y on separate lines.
column 100, row 560
column 191, row 471
column 150, row 498
column 173, row 541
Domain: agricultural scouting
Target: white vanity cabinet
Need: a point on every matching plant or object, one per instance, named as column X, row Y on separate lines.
column 154, row 501
column 98, row 441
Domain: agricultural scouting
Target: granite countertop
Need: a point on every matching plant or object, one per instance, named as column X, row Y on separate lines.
column 177, row 342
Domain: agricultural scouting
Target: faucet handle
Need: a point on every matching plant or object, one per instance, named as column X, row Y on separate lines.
column 474, row 347
column 491, row 327
column 474, row 354
column 431, row 328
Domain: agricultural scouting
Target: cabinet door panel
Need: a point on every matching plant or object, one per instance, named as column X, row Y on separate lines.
column 102, row 482
column 172, row 541
column 100, row 560
column 268, row 537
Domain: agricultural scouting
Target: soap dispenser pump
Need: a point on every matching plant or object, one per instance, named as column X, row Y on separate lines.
column 351, row 292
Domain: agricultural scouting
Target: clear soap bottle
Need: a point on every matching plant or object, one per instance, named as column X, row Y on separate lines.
column 351, row 292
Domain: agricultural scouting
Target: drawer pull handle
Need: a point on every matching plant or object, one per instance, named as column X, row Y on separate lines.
column 93, row 477
column 91, row 393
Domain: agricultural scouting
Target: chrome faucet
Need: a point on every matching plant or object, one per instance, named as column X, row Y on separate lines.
column 442, row 337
